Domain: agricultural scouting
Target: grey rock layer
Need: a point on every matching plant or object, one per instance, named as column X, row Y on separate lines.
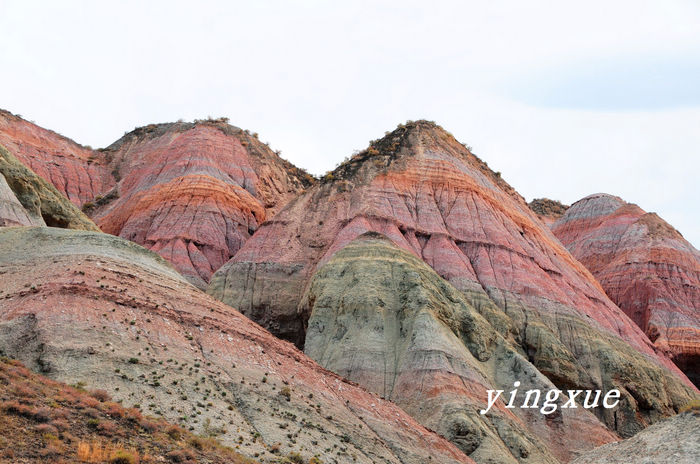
column 673, row 441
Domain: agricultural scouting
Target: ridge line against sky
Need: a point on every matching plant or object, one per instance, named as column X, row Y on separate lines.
column 565, row 99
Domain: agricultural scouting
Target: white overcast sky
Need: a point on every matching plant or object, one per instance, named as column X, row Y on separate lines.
column 565, row 98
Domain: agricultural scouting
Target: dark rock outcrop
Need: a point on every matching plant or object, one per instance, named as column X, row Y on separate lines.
column 547, row 210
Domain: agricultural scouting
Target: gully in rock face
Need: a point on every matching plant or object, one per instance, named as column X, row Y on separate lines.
column 549, row 405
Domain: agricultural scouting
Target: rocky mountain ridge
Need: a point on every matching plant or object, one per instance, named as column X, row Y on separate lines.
column 645, row 266
column 78, row 172
column 412, row 270
column 431, row 197
column 192, row 192
column 89, row 307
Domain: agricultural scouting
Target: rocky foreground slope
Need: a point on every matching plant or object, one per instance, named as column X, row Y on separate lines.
column 194, row 192
column 78, row 172
column 645, row 266
column 28, row 200
column 46, row 421
column 672, row 441
column 430, row 196
column 93, row 308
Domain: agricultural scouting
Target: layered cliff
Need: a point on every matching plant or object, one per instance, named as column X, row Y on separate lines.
column 645, row 266
column 194, row 192
column 383, row 318
column 80, row 173
column 93, row 308
column 26, row 199
column 433, row 198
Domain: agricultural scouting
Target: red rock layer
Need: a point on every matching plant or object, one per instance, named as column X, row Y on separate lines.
column 645, row 266
column 430, row 196
column 78, row 172
column 194, row 193
column 27, row 199
column 93, row 308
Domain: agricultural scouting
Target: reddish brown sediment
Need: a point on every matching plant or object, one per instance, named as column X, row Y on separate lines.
column 78, row 172
column 645, row 266
column 42, row 420
column 28, row 200
column 432, row 197
column 194, row 192
column 93, row 308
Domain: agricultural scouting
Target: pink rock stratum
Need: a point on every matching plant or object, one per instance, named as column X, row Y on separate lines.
column 645, row 266
column 431, row 197
column 78, row 172
column 89, row 307
column 194, row 193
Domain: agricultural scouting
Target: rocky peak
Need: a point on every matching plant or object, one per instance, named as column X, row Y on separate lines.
column 194, row 192
column 409, row 140
column 596, row 205
column 433, row 199
column 645, row 266
column 250, row 140
column 78, row 172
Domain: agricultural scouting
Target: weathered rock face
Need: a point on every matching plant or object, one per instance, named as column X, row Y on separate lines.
column 430, row 196
column 645, row 267
column 194, row 192
column 27, row 199
column 78, row 172
column 672, row 441
column 12, row 213
column 383, row 318
column 547, row 210
column 81, row 306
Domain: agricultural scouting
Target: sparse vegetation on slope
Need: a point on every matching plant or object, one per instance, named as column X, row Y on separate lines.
column 46, row 421
column 548, row 208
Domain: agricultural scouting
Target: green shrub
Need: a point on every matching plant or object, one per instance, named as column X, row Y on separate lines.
column 123, row 457
column 295, row 458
